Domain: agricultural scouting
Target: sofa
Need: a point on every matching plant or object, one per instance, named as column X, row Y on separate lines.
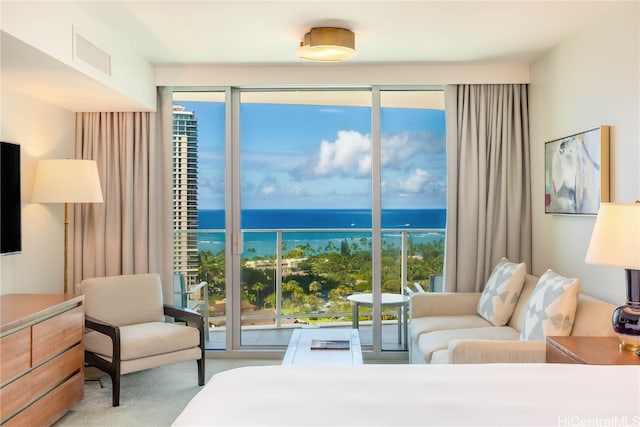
column 447, row 327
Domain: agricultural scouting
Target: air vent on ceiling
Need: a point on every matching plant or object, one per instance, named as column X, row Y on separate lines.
column 91, row 54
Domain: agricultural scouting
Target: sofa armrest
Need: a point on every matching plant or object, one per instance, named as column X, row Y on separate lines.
column 444, row 304
column 497, row 351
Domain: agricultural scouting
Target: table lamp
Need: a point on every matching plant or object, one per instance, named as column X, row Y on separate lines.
column 615, row 242
column 66, row 181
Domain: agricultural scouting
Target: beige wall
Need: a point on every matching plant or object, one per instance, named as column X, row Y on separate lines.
column 590, row 79
column 43, row 131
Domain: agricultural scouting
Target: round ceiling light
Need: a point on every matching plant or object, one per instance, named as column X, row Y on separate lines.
column 328, row 44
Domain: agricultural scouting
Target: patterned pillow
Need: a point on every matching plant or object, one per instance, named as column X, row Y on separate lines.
column 551, row 308
column 501, row 292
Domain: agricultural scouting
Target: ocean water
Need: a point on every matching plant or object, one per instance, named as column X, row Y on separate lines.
column 423, row 226
column 287, row 219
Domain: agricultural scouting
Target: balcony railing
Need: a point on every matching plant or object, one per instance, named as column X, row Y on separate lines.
column 304, row 275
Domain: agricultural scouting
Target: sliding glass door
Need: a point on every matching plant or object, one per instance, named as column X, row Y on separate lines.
column 199, row 181
column 309, row 203
column 305, row 174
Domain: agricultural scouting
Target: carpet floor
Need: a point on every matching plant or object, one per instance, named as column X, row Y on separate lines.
column 150, row 398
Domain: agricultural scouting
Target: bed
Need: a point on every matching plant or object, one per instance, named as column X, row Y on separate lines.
column 418, row 395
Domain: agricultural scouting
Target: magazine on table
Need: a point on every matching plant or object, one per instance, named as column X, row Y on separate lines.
column 329, row 344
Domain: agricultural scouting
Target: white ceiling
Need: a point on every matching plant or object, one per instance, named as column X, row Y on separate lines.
column 425, row 31
column 177, row 32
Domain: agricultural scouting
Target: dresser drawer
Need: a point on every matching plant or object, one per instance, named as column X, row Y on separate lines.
column 54, row 405
column 50, row 374
column 42, row 357
column 20, row 420
column 15, row 357
column 15, row 396
column 55, row 335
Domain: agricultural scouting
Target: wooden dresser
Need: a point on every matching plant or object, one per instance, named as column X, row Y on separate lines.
column 41, row 357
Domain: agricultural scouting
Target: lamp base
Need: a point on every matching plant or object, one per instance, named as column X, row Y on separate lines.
column 626, row 324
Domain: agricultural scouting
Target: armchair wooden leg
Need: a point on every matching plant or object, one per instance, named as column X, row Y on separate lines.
column 112, row 368
column 201, row 371
column 115, row 381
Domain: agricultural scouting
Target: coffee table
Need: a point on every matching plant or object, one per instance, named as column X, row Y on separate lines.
column 299, row 351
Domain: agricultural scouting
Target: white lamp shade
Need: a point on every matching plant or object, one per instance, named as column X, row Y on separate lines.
column 616, row 236
column 67, row 181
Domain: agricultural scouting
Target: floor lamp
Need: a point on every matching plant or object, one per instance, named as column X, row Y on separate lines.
column 66, row 181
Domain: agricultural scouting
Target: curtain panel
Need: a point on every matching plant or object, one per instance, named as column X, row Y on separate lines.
column 489, row 185
column 131, row 232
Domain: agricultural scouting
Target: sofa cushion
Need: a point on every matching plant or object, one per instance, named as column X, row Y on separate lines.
column 145, row 339
column 422, row 325
column 501, row 292
column 551, row 308
column 439, row 340
column 593, row 317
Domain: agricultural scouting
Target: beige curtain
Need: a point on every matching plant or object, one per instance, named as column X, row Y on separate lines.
column 131, row 232
column 489, row 203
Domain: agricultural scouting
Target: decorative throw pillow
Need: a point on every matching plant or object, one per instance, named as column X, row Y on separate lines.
column 552, row 307
column 501, row 292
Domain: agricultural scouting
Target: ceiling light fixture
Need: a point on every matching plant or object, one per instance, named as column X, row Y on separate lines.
column 328, row 44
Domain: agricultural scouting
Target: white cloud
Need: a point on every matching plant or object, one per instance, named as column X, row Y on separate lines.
column 349, row 154
column 397, row 147
column 268, row 190
column 418, row 182
column 297, row 190
column 272, row 187
column 413, row 163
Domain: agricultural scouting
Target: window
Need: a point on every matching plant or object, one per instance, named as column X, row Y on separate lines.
column 308, row 189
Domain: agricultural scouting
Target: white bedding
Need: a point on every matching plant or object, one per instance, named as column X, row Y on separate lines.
column 419, row 395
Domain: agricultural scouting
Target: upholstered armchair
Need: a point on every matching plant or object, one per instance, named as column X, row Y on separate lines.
column 126, row 329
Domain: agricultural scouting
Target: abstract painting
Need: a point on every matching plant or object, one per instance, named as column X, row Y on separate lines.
column 577, row 172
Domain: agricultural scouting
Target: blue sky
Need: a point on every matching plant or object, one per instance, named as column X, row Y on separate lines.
column 311, row 156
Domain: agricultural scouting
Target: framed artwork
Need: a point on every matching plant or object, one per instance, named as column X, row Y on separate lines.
column 576, row 171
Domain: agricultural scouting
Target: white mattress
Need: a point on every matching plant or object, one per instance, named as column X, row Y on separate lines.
column 419, row 395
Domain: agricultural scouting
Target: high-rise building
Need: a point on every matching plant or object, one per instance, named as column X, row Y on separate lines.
column 185, row 194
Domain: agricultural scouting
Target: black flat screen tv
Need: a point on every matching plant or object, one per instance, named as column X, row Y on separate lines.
column 10, row 201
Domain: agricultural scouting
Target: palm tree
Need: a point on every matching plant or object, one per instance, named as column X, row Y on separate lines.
column 258, row 287
column 315, row 287
column 206, row 266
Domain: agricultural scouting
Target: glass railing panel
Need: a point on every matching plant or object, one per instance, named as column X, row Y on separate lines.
column 409, row 259
column 211, row 269
column 318, row 270
column 259, row 289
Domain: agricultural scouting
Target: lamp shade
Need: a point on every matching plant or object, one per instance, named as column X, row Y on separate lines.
column 327, row 44
column 67, row 181
column 615, row 240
